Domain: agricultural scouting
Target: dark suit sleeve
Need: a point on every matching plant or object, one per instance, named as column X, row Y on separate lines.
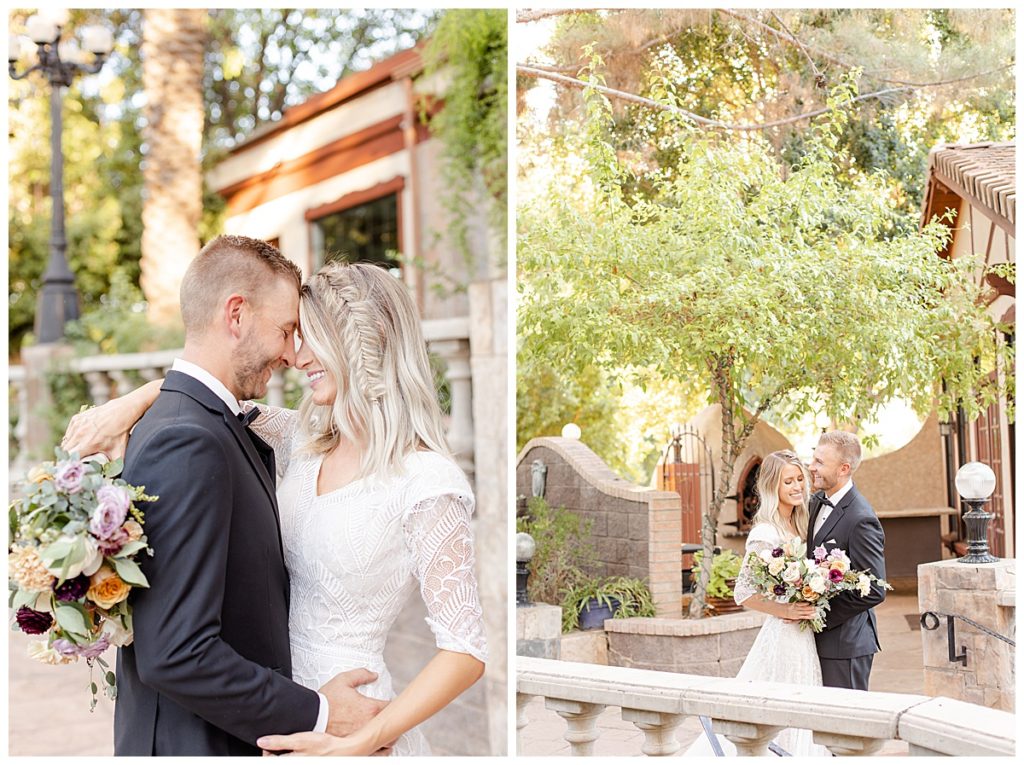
column 866, row 550
column 178, row 647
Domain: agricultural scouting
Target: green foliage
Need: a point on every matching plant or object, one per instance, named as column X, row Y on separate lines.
column 469, row 49
column 258, row 62
column 783, row 290
column 626, row 597
column 724, row 566
column 564, row 550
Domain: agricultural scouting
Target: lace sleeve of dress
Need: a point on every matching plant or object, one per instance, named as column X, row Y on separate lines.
column 277, row 427
column 438, row 534
column 758, row 540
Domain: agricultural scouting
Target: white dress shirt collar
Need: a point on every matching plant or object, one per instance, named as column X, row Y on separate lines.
column 835, row 498
column 211, row 382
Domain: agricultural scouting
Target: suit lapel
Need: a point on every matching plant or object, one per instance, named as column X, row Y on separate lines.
column 191, row 387
column 835, row 516
column 813, row 508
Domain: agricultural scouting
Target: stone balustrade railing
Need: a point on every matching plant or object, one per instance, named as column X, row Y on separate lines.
column 113, row 374
column 750, row 714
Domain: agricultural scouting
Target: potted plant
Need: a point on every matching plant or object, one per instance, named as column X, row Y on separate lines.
column 588, row 603
column 725, row 567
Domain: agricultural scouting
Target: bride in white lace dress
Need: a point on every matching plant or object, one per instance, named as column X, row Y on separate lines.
column 371, row 507
column 782, row 652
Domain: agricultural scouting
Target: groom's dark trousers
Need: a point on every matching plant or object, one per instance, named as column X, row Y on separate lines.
column 209, row 670
column 849, row 641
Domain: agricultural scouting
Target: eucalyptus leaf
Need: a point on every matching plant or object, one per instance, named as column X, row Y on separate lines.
column 71, row 620
column 130, row 572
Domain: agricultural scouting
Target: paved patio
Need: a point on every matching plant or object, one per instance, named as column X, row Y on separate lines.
column 897, row 669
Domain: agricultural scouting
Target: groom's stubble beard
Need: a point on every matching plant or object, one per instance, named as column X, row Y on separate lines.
column 249, row 364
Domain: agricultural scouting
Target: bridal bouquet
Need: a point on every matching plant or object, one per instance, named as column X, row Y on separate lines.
column 785, row 573
column 75, row 536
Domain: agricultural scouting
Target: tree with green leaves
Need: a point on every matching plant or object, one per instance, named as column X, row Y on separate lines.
column 778, row 289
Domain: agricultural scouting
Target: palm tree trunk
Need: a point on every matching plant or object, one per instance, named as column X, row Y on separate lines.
column 173, row 45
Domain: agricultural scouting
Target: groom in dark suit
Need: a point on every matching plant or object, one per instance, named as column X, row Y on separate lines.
column 209, row 670
column 841, row 517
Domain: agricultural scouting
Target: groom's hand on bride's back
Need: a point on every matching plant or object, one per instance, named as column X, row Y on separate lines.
column 349, row 709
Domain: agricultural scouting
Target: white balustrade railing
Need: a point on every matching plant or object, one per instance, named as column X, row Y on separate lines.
column 114, row 374
column 750, row 714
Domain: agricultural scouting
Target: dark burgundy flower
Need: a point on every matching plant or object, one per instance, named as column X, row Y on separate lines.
column 777, row 552
column 33, row 622
column 72, row 589
column 779, row 589
column 835, row 575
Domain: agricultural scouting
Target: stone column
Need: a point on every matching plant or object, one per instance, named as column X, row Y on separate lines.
column 38, row 360
column 522, row 700
column 539, row 631
column 486, row 403
column 750, row 740
column 983, row 593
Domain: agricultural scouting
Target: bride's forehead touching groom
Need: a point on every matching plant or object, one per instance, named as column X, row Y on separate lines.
column 241, row 312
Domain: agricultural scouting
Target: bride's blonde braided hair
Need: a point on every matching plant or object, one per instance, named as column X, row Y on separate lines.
column 363, row 328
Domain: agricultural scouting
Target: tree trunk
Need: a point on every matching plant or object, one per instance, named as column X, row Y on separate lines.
column 173, row 45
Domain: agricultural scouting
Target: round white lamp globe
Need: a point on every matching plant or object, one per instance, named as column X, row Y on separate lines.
column 525, row 547
column 975, row 480
column 572, row 430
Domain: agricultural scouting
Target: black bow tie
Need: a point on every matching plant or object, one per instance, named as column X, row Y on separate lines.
column 824, row 500
column 247, row 417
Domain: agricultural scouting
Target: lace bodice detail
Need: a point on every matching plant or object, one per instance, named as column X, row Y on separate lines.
column 355, row 554
column 764, row 536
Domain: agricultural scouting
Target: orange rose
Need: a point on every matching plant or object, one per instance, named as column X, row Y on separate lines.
column 808, row 593
column 106, row 589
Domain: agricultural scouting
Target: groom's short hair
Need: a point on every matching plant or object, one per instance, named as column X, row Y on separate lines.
column 230, row 264
column 846, row 444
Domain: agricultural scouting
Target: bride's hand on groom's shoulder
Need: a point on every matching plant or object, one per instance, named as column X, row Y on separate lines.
column 96, row 431
column 349, row 709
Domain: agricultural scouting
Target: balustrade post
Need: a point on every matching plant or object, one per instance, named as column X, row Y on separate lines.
column 151, row 373
column 121, row 381
column 99, row 387
column 581, row 723
column 847, row 746
column 659, row 729
column 750, row 739
column 522, row 700
column 460, row 381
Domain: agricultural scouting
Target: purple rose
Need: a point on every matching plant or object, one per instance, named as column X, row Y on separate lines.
column 779, row 589
column 113, row 544
column 65, row 647
column 835, row 575
column 777, row 552
column 110, row 511
column 820, row 553
column 94, row 649
column 72, row 589
column 69, row 475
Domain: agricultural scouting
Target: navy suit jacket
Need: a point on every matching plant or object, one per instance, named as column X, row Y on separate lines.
column 850, row 628
column 209, row 670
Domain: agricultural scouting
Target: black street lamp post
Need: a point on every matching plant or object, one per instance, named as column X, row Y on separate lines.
column 59, row 62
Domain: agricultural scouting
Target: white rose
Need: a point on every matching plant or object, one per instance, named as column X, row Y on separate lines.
column 817, row 583
column 40, row 651
column 766, row 555
column 864, row 585
column 776, row 565
column 89, row 565
column 116, row 634
column 792, row 572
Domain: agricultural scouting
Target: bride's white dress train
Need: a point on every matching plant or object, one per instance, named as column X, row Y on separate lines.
column 355, row 556
column 781, row 653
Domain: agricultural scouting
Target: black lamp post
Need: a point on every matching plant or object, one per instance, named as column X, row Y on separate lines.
column 525, row 549
column 59, row 62
column 975, row 482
